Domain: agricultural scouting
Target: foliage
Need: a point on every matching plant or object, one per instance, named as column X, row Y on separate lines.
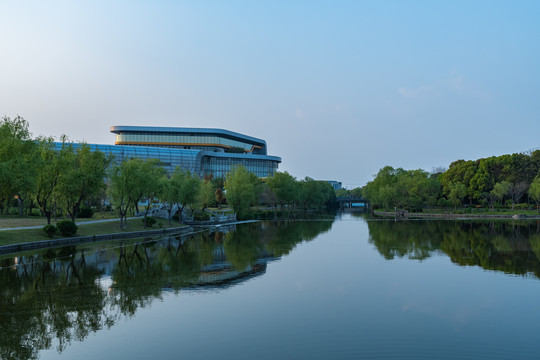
column 179, row 189
column 206, row 195
column 534, row 191
column 85, row 212
column 82, row 177
column 67, row 227
column 242, row 190
column 201, row 216
column 18, row 161
column 51, row 163
column 284, row 187
column 49, row 230
column 402, row 189
column 148, row 221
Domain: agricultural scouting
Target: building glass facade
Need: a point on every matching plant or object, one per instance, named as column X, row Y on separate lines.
column 203, row 151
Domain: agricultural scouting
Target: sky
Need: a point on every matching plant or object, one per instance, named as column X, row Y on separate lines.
column 338, row 89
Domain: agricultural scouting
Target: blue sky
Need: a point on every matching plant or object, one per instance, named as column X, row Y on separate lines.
column 338, row 89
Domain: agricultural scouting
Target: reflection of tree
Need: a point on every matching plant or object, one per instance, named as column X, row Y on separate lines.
column 42, row 301
column 60, row 295
column 511, row 247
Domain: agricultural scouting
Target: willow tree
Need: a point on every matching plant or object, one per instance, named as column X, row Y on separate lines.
column 18, row 161
column 83, row 178
column 242, row 190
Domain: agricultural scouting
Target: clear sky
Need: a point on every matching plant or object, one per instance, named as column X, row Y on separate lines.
column 338, row 89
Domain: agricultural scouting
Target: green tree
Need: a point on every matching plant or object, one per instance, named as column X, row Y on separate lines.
column 457, row 192
column 242, row 190
column 180, row 189
column 51, row 163
column 18, row 162
column 284, row 187
column 131, row 181
column 206, row 195
column 534, row 191
column 83, row 178
column 500, row 190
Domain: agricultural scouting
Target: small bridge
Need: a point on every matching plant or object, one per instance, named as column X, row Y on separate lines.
column 348, row 201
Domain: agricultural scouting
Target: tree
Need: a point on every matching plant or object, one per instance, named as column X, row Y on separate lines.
column 206, row 195
column 18, row 161
column 457, row 192
column 131, row 181
column 500, row 190
column 284, row 187
column 83, row 178
column 151, row 173
column 534, row 191
column 51, row 163
column 180, row 189
column 242, row 190
column 516, row 192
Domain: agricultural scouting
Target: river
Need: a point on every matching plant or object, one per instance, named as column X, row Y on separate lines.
column 336, row 288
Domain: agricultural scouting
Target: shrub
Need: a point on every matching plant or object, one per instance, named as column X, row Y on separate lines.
column 201, row 216
column 85, row 212
column 149, row 221
column 67, row 227
column 34, row 213
column 49, row 230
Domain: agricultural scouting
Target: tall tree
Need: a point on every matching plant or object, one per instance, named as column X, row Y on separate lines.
column 242, row 190
column 534, row 191
column 51, row 163
column 180, row 190
column 284, row 187
column 83, row 178
column 18, row 161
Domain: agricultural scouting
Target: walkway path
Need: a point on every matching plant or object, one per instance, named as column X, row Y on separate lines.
column 78, row 224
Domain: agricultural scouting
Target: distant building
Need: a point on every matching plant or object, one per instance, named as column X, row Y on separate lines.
column 337, row 185
column 206, row 152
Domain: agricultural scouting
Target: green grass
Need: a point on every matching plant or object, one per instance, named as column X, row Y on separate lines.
column 8, row 237
column 10, row 221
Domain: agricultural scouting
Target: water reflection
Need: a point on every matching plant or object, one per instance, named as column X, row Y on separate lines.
column 512, row 247
column 51, row 298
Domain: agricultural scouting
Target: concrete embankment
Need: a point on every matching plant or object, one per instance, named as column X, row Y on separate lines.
column 450, row 215
column 34, row 245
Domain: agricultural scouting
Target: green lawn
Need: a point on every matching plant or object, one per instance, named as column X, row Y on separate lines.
column 27, row 235
column 10, row 221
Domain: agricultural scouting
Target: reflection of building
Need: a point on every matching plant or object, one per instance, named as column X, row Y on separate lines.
column 202, row 151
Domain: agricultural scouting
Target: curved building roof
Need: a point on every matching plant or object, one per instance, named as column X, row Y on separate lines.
column 184, row 130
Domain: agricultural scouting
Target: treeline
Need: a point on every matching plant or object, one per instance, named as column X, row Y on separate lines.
column 60, row 180
column 504, row 180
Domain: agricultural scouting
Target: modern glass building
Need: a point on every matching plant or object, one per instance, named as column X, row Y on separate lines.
column 206, row 152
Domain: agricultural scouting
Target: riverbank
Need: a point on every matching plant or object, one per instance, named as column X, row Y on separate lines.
column 450, row 215
column 75, row 240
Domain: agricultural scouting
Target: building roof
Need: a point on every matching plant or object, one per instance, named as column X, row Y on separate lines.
column 185, row 130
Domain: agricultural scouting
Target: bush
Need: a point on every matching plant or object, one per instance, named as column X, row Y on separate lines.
column 49, row 230
column 149, row 221
column 34, row 213
column 201, row 216
column 85, row 212
column 67, row 227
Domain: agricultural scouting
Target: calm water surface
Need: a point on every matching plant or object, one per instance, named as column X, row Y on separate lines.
column 349, row 288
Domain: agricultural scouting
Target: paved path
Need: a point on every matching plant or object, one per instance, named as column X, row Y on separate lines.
column 78, row 224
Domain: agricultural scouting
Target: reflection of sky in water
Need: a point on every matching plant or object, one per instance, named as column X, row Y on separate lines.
column 334, row 297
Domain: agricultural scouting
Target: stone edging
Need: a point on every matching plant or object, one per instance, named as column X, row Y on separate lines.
column 6, row 249
column 450, row 215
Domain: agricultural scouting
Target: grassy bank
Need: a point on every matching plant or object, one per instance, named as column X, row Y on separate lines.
column 8, row 237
